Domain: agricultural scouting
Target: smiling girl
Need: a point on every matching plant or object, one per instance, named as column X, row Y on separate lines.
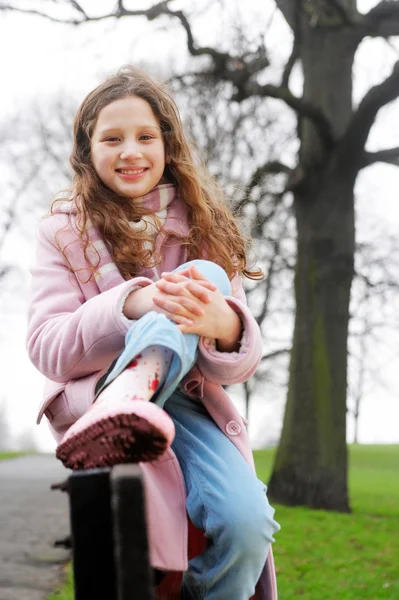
column 137, row 319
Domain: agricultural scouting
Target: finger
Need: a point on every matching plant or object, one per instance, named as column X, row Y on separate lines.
column 179, row 305
column 168, row 305
column 175, row 277
column 185, row 327
column 199, row 291
column 206, row 283
column 191, row 306
column 176, row 317
column 168, row 287
column 188, row 288
column 184, row 272
column 195, row 273
column 183, row 288
column 189, row 328
column 179, row 319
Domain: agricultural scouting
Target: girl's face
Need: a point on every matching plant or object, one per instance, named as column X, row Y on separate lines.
column 127, row 149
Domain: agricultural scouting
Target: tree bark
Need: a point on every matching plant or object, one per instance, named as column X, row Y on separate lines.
column 311, row 462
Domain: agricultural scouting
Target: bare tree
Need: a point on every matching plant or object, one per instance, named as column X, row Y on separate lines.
column 33, row 172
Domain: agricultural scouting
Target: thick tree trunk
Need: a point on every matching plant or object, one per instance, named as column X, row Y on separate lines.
column 311, row 462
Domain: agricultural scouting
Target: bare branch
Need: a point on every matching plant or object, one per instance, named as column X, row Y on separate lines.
column 120, row 11
column 226, row 66
column 262, row 221
column 38, row 13
column 223, row 61
column 270, row 168
column 382, row 20
column 379, row 286
column 290, row 64
column 353, row 143
column 275, row 354
column 303, row 108
column 295, row 51
column 268, row 285
column 163, row 8
column 77, row 6
column 389, row 156
column 11, row 211
column 256, row 179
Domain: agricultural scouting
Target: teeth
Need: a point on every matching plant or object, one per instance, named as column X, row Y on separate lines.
column 131, row 171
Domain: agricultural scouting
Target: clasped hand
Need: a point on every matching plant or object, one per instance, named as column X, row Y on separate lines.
column 191, row 301
column 194, row 303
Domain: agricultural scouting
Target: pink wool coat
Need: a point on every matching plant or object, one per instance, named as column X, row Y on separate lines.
column 75, row 332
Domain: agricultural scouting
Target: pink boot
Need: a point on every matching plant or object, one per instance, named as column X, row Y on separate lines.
column 106, row 435
column 122, row 426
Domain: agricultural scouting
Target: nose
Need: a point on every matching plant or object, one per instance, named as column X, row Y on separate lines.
column 130, row 150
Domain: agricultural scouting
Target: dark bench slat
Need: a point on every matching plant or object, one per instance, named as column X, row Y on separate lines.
column 133, row 572
column 92, row 539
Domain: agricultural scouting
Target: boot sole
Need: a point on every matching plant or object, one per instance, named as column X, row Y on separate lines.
column 116, row 439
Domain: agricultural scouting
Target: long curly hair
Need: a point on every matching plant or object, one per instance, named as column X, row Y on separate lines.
column 213, row 229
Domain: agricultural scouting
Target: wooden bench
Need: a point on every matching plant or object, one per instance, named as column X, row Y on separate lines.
column 109, row 538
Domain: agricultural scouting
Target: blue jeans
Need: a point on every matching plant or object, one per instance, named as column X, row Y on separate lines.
column 224, row 497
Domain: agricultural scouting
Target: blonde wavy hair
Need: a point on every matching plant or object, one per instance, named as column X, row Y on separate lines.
column 212, row 227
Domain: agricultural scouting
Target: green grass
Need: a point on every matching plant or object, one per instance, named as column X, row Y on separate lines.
column 322, row 555
column 66, row 592
column 8, row 455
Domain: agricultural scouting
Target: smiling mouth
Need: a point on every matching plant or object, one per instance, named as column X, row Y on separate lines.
column 132, row 171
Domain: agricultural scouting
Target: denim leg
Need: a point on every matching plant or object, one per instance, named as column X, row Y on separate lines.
column 154, row 329
column 224, row 499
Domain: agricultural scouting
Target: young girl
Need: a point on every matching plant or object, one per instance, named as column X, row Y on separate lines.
column 137, row 319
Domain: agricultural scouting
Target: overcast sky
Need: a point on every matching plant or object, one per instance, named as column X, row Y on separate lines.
column 40, row 58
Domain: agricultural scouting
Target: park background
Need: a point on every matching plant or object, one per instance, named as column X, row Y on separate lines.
column 50, row 66
column 348, row 550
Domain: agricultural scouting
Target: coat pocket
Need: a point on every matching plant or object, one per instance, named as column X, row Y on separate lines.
column 59, row 414
column 67, row 402
column 51, row 391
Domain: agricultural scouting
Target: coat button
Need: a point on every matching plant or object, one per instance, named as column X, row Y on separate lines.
column 233, row 428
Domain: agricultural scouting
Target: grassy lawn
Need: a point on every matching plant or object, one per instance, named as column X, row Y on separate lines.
column 8, row 455
column 321, row 555
column 66, row 592
column 325, row 556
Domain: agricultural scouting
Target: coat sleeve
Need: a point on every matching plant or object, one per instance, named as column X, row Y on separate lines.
column 69, row 336
column 227, row 368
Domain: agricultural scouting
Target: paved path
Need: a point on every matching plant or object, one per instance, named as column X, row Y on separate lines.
column 31, row 518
